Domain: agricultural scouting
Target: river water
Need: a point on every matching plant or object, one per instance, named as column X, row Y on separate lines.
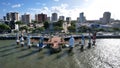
column 106, row 54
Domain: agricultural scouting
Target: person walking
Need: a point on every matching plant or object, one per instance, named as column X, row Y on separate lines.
column 29, row 41
column 82, row 43
column 94, row 38
column 89, row 42
column 17, row 39
column 22, row 41
column 71, row 43
column 41, row 44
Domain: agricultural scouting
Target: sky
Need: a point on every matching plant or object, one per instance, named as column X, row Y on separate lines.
column 93, row 9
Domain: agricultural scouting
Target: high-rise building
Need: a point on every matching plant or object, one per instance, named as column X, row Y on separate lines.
column 36, row 17
column 78, row 19
column 106, row 17
column 26, row 18
column 68, row 19
column 8, row 16
column 82, row 18
column 41, row 17
column 48, row 19
column 4, row 18
column 54, row 17
column 61, row 18
column 12, row 16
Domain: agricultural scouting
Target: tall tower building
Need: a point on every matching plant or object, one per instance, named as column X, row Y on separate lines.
column 4, row 18
column 48, row 19
column 36, row 17
column 106, row 17
column 82, row 18
column 54, row 17
column 12, row 16
column 78, row 19
column 41, row 17
column 61, row 18
column 8, row 16
column 26, row 18
column 68, row 20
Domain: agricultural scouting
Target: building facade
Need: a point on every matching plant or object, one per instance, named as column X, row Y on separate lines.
column 48, row 19
column 41, row 17
column 106, row 17
column 82, row 18
column 68, row 20
column 12, row 16
column 26, row 18
column 61, row 18
column 54, row 17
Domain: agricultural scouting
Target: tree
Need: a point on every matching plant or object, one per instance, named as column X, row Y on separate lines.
column 18, row 22
column 59, row 23
column 116, row 29
column 38, row 30
column 46, row 25
column 33, row 21
column 57, row 28
column 83, row 29
column 24, row 28
column 4, row 27
column 73, row 23
column 71, row 28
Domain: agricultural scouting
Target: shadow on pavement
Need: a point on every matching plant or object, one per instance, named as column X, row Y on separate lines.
column 6, row 46
column 29, row 54
column 8, row 49
column 13, row 52
column 63, row 54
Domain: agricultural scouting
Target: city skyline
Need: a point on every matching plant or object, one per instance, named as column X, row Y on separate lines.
column 68, row 8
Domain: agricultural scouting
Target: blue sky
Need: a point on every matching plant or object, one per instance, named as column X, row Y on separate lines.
column 93, row 9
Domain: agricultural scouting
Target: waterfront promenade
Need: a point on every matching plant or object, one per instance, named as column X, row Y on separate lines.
column 106, row 54
column 66, row 37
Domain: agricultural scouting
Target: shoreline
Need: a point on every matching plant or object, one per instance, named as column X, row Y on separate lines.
column 65, row 38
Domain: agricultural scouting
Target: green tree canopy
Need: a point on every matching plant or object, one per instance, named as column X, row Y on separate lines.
column 57, row 28
column 71, row 28
column 24, row 28
column 33, row 21
column 19, row 22
column 59, row 23
column 116, row 29
column 46, row 25
column 84, row 29
column 73, row 23
column 4, row 27
column 38, row 30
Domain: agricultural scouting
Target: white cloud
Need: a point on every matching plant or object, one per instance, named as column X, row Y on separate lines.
column 39, row 10
column 16, row 5
column 56, row 0
column 96, row 9
column 86, row 0
column 61, row 10
column 93, row 11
